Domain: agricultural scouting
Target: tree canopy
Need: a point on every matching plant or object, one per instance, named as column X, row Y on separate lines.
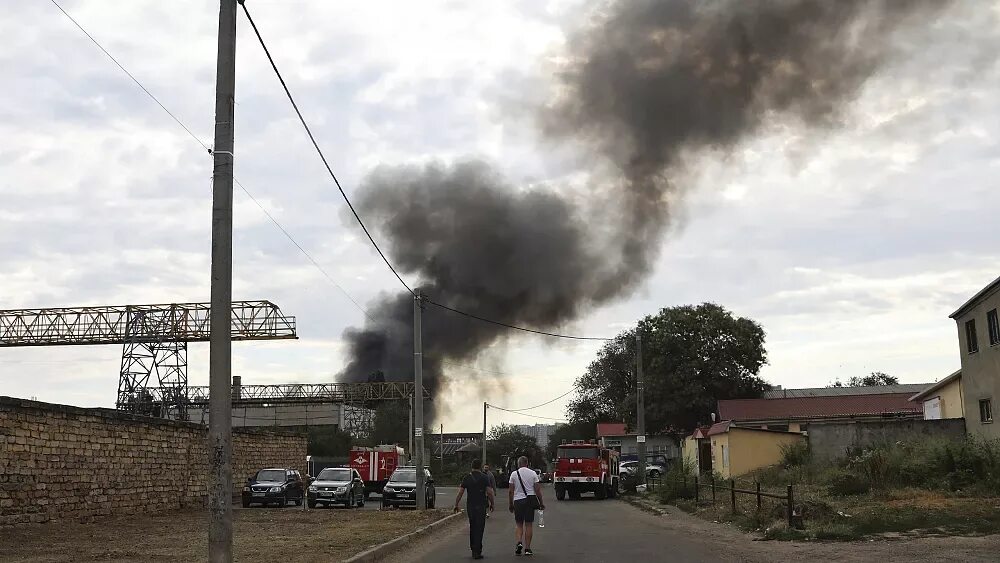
column 692, row 357
column 873, row 379
column 505, row 440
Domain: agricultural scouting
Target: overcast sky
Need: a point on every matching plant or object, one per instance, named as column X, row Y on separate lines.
column 850, row 248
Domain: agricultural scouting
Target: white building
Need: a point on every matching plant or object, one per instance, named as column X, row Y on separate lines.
column 540, row 432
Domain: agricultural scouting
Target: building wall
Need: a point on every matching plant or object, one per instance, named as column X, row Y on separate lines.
column 753, row 449
column 950, row 400
column 981, row 370
column 689, row 450
column 721, row 461
column 324, row 414
column 832, row 441
column 60, row 462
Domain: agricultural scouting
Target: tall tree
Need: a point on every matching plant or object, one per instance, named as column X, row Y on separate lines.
column 505, row 440
column 693, row 356
column 875, row 378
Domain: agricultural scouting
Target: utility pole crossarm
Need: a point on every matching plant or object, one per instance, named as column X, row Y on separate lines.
column 117, row 324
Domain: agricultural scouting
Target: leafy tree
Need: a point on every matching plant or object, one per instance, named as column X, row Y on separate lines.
column 328, row 441
column 580, row 430
column 505, row 440
column 874, row 379
column 392, row 424
column 693, row 356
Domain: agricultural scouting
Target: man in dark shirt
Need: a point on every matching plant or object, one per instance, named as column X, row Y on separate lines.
column 480, row 500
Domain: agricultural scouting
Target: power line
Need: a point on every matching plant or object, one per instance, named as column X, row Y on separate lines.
column 526, row 414
column 371, row 239
column 545, row 403
column 208, row 149
column 319, row 150
column 514, row 327
column 123, row 69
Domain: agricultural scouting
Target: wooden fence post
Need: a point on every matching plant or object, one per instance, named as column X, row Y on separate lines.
column 758, row 496
column 696, row 490
column 791, row 502
column 732, row 493
column 713, row 489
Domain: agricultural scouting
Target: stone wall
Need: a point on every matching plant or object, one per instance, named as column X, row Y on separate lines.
column 831, row 441
column 60, row 462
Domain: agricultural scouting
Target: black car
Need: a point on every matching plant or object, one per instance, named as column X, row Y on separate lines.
column 337, row 485
column 274, row 486
column 400, row 490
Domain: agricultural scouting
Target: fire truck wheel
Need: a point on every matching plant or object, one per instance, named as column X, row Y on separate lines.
column 560, row 493
column 613, row 493
column 574, row 495
column 602, row 492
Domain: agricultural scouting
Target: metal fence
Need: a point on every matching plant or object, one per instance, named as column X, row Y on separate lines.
column 708, row 489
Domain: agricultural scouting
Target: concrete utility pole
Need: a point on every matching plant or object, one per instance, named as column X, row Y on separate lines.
column 418, row 400
column 484, row 432
column 640, row 440
column 220, row 421
column 441, row 444
column 409, row 417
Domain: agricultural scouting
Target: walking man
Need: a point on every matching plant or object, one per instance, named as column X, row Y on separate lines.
column 488, row 471
column 525, row 496
column 479, row 501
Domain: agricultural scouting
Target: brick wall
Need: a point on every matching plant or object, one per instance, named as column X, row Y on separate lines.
column 60, row 462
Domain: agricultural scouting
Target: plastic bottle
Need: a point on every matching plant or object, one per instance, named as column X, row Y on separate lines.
column 541, row 518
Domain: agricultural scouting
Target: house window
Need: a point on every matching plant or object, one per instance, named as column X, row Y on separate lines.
column 994, row 327
column 970, row 336
column 985, row 410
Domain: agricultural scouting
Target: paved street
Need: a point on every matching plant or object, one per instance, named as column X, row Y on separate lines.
column 586, row 530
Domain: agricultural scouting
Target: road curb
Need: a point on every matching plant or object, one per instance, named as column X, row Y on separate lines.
column 382, row 551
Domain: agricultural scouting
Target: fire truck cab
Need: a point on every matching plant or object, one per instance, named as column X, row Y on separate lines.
column 586, row 467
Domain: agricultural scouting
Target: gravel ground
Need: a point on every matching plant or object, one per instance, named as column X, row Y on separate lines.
column 261, row 535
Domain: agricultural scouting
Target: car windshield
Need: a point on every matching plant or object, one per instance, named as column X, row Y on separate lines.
column 334, row 475
column 277, row 475
column 577, row 453
column 404, row 476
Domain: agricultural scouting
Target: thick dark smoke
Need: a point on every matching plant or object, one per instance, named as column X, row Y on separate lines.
column 649, row 84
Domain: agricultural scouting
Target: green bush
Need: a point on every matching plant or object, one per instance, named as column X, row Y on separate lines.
column 971, row 464
column 677, row 482
column 845, row 483
column 794, row 455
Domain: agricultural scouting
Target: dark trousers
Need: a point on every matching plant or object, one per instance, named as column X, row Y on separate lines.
column 477, row 525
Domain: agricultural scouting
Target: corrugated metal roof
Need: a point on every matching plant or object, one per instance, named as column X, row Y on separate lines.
column 844, row 391
column 816, row 407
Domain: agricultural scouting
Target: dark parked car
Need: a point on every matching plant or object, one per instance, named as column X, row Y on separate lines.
column 400, row 490
column 337, row 485
column 274, row 486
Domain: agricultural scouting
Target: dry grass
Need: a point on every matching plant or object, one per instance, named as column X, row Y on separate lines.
column 261, row 535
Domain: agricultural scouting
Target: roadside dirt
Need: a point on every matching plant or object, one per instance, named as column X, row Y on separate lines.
column 739, row 546
column 261, row 536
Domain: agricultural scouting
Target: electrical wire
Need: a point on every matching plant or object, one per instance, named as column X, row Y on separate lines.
column 371, row 239
column 545, row 403
column 209, row 150
column 319, row 150
column 526, row 414
column 276, row 223
column 514, row 327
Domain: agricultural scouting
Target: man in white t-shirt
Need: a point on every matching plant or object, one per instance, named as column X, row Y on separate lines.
column 522, row 494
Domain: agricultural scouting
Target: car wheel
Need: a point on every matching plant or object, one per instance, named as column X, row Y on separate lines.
column 311, row 503
column 246, row 503
column 654, row 474
column 361, row 500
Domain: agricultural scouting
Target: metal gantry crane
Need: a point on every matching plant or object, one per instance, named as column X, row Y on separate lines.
column 154, row 339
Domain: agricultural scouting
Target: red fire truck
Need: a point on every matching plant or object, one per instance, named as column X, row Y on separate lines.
column 376, row 465
column 586, row 467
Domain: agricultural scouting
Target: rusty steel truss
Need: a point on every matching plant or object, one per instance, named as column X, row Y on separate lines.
column 154, row 339
column 358, row 399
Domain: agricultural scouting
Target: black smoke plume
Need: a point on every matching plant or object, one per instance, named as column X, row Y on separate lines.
column 644, row 87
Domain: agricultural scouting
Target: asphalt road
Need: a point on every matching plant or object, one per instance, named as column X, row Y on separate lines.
column 585, row 530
